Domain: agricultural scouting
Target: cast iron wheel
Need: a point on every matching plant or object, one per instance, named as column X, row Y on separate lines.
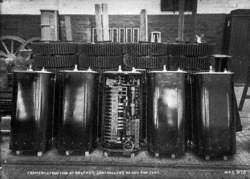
column 9, row 47
column 27, row 44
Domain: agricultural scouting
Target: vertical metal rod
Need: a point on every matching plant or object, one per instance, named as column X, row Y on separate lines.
column 181, row 20
column 143, row 25
column 98, row 21
column 105, row 22
column 68, row 28
column 194, row 15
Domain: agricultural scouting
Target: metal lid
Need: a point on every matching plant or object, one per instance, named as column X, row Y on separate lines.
column 30, row 70
column 166, row 71
column 212, row 72
column 120, row 71
column 221, row 56
column 215, row 73
column 140, row 69
column 75, row 70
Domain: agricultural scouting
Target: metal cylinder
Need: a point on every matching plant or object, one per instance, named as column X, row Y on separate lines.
column 166, row 113
column 78, row 114
column 214, row 122
column 220, row 62
column 122, row 111
column 31, row 123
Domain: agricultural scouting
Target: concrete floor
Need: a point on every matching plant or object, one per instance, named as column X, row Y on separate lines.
column 54, row 165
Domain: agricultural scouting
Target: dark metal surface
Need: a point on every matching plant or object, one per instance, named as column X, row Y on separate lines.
column 147, row 62
column 238, row 42
column 31, row 123
column 189, row 106
column 100, row 62
column 220, row 62
column 191, row 64
column 78, row 119
column 122, row 112
column 6, row 97
column 214, row 122
column 166, row 113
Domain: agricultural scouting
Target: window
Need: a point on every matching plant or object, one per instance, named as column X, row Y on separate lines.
column 115, row 35
column 122, row 35
column 155, row 36
column 93, row 35
column 129, row 34
column 136, row 35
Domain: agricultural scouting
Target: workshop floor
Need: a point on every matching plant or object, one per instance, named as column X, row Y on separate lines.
column 54, row 165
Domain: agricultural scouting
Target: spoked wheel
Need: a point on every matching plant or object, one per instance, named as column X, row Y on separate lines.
column 26, row 51
column 28, row 42
column 10, row 47
column 15, row 51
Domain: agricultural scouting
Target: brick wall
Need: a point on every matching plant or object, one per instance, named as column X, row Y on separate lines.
column 27, row 26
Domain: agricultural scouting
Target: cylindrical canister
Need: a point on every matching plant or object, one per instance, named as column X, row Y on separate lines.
column 220, row 62
column 31, row 123
column 78, row 119
column 214, row 123
column 166, row 113
column 122, row 112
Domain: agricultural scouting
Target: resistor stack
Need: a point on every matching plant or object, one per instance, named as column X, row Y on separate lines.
column 100, row 56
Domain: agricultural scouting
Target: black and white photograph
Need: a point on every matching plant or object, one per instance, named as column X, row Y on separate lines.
column 110, row 89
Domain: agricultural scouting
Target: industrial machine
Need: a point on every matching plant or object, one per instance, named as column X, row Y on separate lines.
column 32, row 119
column 214, row 123
column 122, row 112
column 166, row 113
column 77, row 126
column 162, row 110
